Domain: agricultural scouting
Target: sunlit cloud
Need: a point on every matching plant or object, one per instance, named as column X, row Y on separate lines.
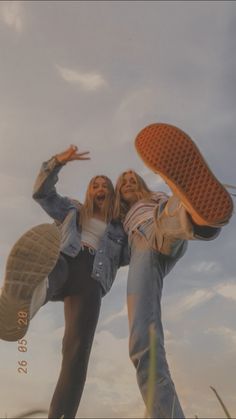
column 111, row 383
column 121, row 314
column 190, row 302
column 200, row 297
column 87, row 81
column 227, row 290
column 195, row 299
column 172, row 342
column 11, row 14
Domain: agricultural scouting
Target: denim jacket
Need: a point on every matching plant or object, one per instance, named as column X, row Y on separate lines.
column 113, row 250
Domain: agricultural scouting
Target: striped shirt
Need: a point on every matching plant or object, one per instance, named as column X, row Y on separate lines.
column 142, row 211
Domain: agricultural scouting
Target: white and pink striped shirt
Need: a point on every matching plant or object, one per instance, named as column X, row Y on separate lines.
column 142, row 211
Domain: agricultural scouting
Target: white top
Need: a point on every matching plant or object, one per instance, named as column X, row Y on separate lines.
column 92, row 231
column 142, row 211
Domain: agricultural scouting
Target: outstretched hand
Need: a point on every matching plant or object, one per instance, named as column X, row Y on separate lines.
column 71, row 154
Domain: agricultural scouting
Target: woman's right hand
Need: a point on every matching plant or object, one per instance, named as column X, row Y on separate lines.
column 71, row 154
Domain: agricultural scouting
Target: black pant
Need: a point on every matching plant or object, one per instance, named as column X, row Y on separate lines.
column 81, row 316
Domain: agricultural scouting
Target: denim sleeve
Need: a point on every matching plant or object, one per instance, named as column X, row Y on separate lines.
column 125, row 255
column 45, row 194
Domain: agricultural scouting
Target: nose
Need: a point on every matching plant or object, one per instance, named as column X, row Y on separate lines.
column 129, row 184
column 101, row 189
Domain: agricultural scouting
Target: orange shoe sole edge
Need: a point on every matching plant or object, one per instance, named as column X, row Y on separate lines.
column 171, row 153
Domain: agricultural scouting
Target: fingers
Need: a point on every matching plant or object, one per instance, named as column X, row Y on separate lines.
column 84, row 152
column 71, row 154
column 81, row 156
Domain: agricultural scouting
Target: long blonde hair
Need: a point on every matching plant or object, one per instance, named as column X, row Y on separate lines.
column 87, row 209
column 120, row 206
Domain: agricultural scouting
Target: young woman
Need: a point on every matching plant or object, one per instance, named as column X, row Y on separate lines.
column 88, row 249
column 158, row 228
column 92, row 253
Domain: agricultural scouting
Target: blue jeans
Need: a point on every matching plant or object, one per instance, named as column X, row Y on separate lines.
column 144, row 289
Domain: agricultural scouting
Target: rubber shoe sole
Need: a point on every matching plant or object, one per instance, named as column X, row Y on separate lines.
column 30, row 261
column 171, row 153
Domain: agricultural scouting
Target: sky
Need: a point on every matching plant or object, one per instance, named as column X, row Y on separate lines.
column 94, row 74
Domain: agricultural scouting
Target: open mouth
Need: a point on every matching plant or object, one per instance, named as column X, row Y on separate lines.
column 100, row 198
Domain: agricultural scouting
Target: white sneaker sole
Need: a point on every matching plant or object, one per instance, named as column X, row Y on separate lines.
column 30, row 261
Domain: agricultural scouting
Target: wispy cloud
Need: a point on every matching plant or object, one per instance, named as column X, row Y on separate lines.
column 206, row 267
column 195, row 299
column 87, row 81
column 224, row 332
column 201, row 296
column 190, row 302
column 227, row 290
column 11, row 14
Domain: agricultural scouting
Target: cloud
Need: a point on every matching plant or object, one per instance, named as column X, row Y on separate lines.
column 189, row 302
column 206, row 267
column 111, row 384
column 201, row 296
column 153, row 180
column 224, row 332
column 195, row 299
column 121, row 314
column 87, row 81
column 172, row 342
column 227, row 290
column 11, row 14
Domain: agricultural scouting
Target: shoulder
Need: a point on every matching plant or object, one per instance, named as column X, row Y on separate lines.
column 77, row 204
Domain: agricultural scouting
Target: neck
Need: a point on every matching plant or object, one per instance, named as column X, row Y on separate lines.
column 98, row 214
column 132, row 201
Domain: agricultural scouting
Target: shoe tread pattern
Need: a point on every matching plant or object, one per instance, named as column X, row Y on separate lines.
column 170, row 152
column 30, row 261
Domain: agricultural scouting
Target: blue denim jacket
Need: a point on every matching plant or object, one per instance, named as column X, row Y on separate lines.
column 113, row 250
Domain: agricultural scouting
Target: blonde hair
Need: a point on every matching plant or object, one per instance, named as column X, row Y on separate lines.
column 120, row 206
column 87, row 209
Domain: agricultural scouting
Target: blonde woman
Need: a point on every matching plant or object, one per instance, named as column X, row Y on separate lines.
column 80, row 253
column 158, row 227
column 92, row 248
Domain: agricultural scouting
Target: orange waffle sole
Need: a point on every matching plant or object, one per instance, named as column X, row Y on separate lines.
column 171, row 153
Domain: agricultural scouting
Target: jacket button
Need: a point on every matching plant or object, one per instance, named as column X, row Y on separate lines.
column 100, row 251
column 100, row 263
column 97, row 274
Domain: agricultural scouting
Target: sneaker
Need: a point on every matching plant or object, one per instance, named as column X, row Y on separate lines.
column 171, row 153
column 30, row 261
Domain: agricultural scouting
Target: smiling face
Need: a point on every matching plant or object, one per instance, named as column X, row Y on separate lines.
column 129, row 188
